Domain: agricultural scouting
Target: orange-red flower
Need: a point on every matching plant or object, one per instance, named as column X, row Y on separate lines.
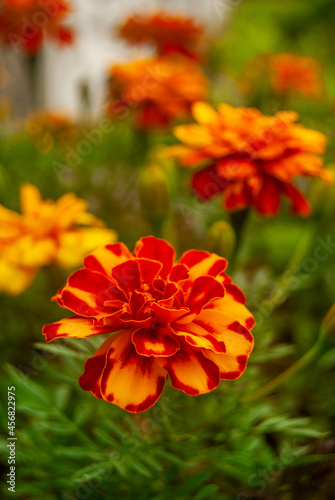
column 250, row 157
column 24, row 23
column 169, row 33
column 159, row 90
column 185, row 319
column 46, row 129
column 297, row 74
column 286, row 74
column 46, row 232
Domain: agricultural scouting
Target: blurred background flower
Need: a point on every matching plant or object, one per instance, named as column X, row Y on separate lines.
column 46, row 232
column 252, row 158
column 169, row 34
column 25, row 23
column 160, row 90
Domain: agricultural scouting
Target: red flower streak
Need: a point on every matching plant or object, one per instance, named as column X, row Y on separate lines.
column 170, row 34
column 184, row 319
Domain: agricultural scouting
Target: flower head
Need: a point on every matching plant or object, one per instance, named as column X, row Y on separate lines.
column 295, row 73
column 170, row 34
column 250, row 157
column 159, row 90
column 185, row 319
column 287, row 74
column 48, row 129
column 24, row 23
column 46, row 232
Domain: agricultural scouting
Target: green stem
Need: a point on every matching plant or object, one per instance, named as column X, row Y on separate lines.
column 238, row 221
column 34, row 68
column 285, row 284
column 306, row 359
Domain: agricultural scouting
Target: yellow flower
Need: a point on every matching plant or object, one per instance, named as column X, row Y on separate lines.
column 46, row 232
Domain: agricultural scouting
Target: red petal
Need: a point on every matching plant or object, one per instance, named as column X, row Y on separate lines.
column 127, row 275
column 204, row 289
column 299, row 204
column 178, row 273
column 197, row 336
column 237, row 196
column 155, row 342
column 190, row 371
column 149, row 269
column 156, row 249
column 237, row 338
column 105, row 258
column 94, row 367
column 207, row 183
column 165, row 315
column 201, row 263
column 267, row 201
column 129, row 380
column 85, row 293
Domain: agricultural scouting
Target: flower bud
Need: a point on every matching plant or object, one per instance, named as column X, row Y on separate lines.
column 154, row 194
column 221, row 238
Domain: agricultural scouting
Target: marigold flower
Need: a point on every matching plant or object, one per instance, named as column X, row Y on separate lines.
column 24, row 23
column 286, row 73
column 46, row 232
column 169, row 33
column 184, row 319
column 252, row 158
column 46, row 129
column 295, row 73
column 160, row 90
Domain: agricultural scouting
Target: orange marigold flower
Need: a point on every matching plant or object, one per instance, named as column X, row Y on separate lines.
column 184, row 319
column 24, row 23
column 160, row 90
column 252, row 158
column 46, row 129
column 295, row 73
column 46, row 232
column 169, row 33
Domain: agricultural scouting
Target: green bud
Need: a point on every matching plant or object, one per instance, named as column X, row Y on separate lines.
column 221, row 238
column 154, row 195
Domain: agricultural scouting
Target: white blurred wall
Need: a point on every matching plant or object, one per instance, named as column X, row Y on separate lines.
column 67, row 71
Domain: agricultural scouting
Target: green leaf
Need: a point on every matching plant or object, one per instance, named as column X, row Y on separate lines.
column 195, row 482
column 206, row 492
column 96, row 470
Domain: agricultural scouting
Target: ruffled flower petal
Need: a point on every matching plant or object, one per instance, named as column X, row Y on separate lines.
column 155, row 342
column 156, row 249
column 131, row 381
column 201, row 263
column 73, row 327
column 190, row 371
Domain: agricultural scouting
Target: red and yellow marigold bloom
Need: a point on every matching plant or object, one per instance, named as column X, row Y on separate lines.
column 184, row 319
column 25, row 23
column 45, row 232
column 158, row 90
column 292, row 73
column 170, row 34
column 250, row 157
